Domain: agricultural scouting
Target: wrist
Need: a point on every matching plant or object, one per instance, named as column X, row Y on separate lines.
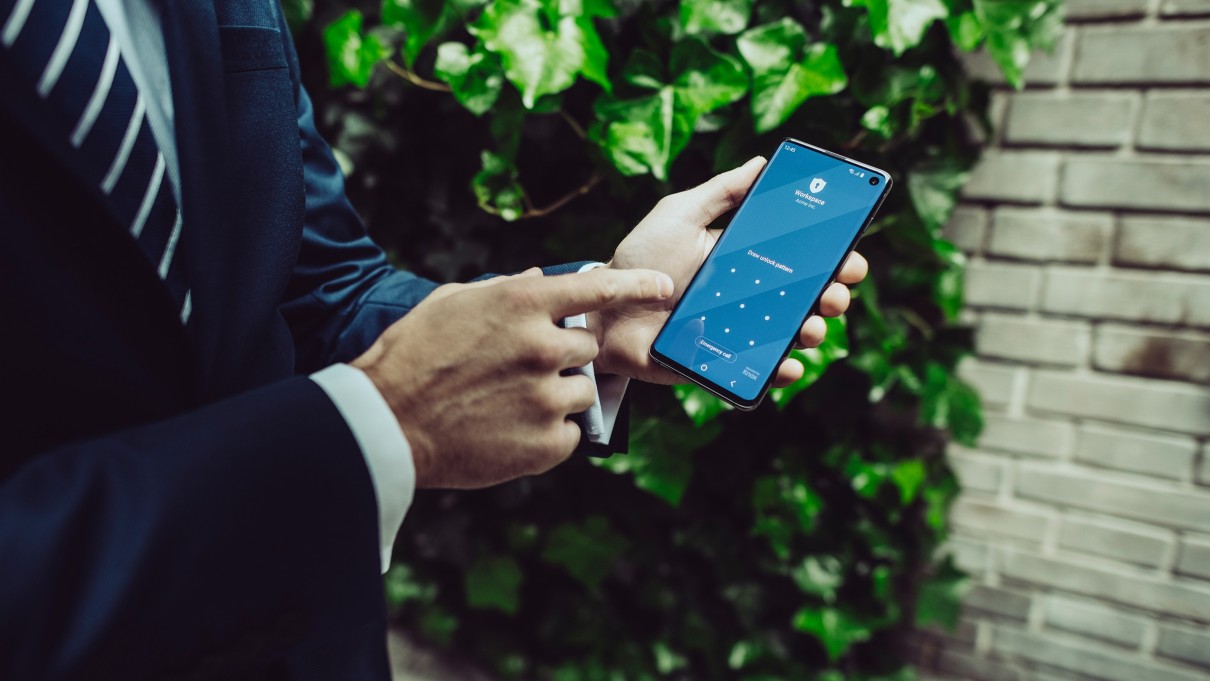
column 395, row 397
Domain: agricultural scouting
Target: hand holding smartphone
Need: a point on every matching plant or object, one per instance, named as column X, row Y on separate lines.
column 740, row 315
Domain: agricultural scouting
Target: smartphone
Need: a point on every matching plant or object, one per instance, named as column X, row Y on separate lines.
column 740, row 315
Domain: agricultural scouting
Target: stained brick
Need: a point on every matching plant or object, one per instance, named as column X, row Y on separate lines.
column 1044, row 341
column 1005, row 603
column 1098, row 538
column 1147, row 593
column 966, row 228
column 1050, row 235
column 1185, row 645
column 1161, row 298
column 1167, row 242
column 1144, row 55
column 1176, row 121
column 1159, row 505
column 1014, row 176
column 1104, row 182
column 1145, row 352
column 1093, row 620
column 1162, row 456
column 1104, row 9
column 972, row 668
column 997, row 520
column 1194, row 558
column 971, row 555
column 1002, row 285
column 1085, row 658
column 1081, row 120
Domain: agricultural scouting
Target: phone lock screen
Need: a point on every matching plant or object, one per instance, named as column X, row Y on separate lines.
column 741, row 314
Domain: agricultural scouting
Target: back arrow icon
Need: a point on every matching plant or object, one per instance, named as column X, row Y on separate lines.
column 732, row 384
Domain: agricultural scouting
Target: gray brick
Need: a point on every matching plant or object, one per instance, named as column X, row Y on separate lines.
column 1144, row 55
column 989, row 518
column 994, row 382
column 1002, row 285
column 1159, row 505
column 1031, row 437
column 1104, row 9
column 975, row 668
column 1050, row 235
column 1167, row 242
column 1194, row 559
column 1045, row 68
column 1146, row 352
column 966, row 228
column 1014, row 176
column 1078, row 120
column 978, row 472
column 1084, row 658
column 1137, row 296
column 1044, row 341
column 1153, row 404
column 1169, row 185
column 1170, row 8
column 1147, row 593
column 971, row 555
column 1203, row 467
column 1002, row 603
column 1162, row 456
column 1185, row 645
column 1101, row 539
column 1093, row 620
column 1176, row 120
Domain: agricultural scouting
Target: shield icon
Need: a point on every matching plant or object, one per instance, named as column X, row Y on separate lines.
column 817, row 185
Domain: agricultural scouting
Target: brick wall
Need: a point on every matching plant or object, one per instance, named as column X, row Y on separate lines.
column 1085, row 519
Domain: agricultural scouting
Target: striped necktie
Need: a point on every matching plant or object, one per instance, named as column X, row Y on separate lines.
column 65, row 52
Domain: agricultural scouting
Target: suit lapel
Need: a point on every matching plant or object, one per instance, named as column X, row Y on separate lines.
column 191, row 39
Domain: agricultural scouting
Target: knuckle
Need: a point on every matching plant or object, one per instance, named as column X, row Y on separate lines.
column 546, row 352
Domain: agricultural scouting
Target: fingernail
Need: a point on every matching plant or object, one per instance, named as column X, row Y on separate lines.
column 665, row 285
column 755, row 159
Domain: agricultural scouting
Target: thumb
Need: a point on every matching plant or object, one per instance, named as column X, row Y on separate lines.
column 722, row 192
column 570, row 294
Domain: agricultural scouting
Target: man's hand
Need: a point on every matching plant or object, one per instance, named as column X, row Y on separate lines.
column 473, row 372
column 674, row 238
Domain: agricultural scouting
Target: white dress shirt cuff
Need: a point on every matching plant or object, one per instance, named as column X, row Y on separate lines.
column 601, row 417
column 388, row 455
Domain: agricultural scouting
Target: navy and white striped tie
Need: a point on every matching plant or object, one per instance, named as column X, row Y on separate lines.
column 66, row 53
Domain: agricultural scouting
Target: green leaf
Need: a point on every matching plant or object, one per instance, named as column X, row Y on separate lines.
column 667, row 660
column 965, row 30
column 1015, row 28
column 645, row 135
column 661, row 456
column 497, row 188
column 715, row 16
column 836, row 629
column 940, row 598
column 474, row 78
column 494, row 583
column 298, row 12
column 423, row 20
column 786, row 72
column 402, row 587
column 701, row 406
column 908, row 476
column 543, row 49
column 899, row 25
column 933, row 189
column 815, row 360
column 351, row 54
column 950, row 404
column 820, row 576
column 587, row 550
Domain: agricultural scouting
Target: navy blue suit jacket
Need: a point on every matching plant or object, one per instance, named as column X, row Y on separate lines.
column 181, row 504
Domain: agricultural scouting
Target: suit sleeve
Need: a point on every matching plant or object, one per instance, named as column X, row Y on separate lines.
column 217, row 540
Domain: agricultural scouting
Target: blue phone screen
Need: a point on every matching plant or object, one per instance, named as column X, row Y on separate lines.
column 772, row 262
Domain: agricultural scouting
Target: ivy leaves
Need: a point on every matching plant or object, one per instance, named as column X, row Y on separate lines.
column 545, row 44
column 786, row 71
column 899, row 25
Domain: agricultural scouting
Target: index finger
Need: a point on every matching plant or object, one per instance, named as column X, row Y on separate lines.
column 570, row 294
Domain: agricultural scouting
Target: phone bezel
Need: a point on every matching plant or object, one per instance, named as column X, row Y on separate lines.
column 718, row 390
